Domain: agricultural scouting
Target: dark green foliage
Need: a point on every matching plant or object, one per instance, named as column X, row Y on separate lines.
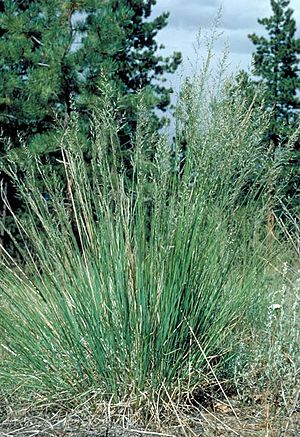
column 55, row 56
column 37, row 79
column 53, row 52
column 276, row 62
column 37, row 73
column 120, row 44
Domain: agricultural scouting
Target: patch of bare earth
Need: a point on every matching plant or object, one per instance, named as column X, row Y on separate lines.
column 220, row 420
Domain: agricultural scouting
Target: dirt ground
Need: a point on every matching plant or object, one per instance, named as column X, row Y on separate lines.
column 223, row 420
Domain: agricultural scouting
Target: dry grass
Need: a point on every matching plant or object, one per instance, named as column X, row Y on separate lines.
column 260, row 418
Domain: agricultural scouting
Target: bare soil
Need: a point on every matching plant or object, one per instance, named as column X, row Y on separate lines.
column 220, row 420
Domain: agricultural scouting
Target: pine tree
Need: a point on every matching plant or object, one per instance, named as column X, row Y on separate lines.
column 53, row 57
column 52, row 52
column 37, row 78
column 276, row 63
column 37, row 75
column 129, row 58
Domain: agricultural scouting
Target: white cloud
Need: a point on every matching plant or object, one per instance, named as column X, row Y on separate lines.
column 239, row 18
column 188, row 14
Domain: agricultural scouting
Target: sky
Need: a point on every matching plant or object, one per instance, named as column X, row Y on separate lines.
column 238, row 19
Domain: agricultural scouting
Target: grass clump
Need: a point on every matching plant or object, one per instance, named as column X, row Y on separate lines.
column 137, row 279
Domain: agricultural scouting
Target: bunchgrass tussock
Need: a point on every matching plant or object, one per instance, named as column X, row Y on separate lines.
column 125, row 262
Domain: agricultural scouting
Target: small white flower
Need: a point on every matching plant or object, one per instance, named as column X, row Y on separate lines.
column 275, row 306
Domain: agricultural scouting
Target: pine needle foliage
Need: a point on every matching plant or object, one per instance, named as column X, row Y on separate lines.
column 276, row 64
